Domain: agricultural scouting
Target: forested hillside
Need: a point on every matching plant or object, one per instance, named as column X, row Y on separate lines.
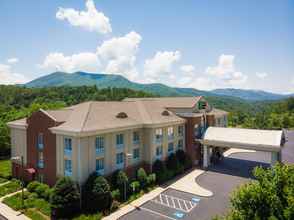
column 18, row 102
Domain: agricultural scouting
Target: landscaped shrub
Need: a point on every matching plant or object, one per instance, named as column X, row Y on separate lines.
column 114, row 206
column 97, row 216
column 142, row 177
column 113, row 179
column 173, row 164
column 87, row 191
column 135, row 186
column 41, row 190
column 160, row 170
column 188, row 162
column 122, row 183
column 115, row 194
column 65, row 198
column 13, row 186
column 181, row 156
column 31, row 187
column 101, row 195
column 151, row 179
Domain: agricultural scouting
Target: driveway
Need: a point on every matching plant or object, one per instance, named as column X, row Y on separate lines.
column 221, row 179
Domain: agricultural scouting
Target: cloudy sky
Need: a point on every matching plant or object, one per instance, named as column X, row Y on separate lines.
column 199, row 44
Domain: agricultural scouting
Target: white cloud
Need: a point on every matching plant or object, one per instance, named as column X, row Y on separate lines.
column 82, row 61
column 159, row 67
column 12, row 60
column 225, row 72
column 118, row 54
column 261, row 75
column 91, row 19
column 7, row 76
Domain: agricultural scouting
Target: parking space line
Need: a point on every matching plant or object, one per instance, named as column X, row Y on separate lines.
column 179, row 209
column 157, row 213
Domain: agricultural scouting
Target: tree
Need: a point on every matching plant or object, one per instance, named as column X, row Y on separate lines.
column 142, row 177
column 271, row 196
column 122, row 183
column 172, row 163
column 65, row 198
column 160, row 171
column 101, row 194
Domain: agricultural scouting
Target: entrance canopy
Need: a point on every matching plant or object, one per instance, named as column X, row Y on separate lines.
column 253, row 139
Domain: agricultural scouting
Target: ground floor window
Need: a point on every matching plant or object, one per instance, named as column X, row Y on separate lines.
column 67, row 167
column 170, row 147
column 180, row 144
column 99, row 164
column 136, row 153
column 159, row 151
column 119, row 158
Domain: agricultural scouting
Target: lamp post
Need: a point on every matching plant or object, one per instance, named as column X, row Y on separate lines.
column 20, row 158
column 126, row 155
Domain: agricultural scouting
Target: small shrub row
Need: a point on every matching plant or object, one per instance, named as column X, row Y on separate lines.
column 41, row 189
column 174, row 165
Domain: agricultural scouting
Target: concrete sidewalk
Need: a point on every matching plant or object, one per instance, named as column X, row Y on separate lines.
column 8, row 212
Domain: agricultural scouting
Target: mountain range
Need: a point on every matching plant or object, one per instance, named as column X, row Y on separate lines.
column 113, row 80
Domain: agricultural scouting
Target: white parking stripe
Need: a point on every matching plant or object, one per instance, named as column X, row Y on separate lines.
column 157, row 213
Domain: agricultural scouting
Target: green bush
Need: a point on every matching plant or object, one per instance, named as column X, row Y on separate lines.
column 122, row 183
column 97, row 216
column 151, row 180
column 115, row 194
column 42, row 190
column 114, row 206
column 135, row 186
column 65, row 198
column 101, row 195
column 142, row 178
column 160, row 170
column 173, row 164
column 31, row 187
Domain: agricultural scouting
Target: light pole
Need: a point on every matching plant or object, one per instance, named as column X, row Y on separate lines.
column 126, row 155
column 20, row 158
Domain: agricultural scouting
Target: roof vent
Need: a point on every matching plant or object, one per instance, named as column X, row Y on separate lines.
column 165, row 113
column 122, row 115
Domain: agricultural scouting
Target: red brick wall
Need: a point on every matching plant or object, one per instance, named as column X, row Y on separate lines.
column 39, row 122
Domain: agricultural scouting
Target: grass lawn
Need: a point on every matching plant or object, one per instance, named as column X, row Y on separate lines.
column 12, row 186
column 2, row 180
column 89, row 217
column 35, row 208
column 5, row 169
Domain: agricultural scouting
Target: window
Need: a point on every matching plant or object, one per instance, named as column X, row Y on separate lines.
column 181, row 130
column 136, row 137
column 158, row 135
column 197, row 132
column 180, row 144
column 119, row 140
column 170, row 133
column 99, row 144
column 136, row 153
column 67, row 147
column 159, row 151
column 40, row 159
column 170, row 147
column 67, row 168
column 99, row 165
column 119, row 158
column 40, row 141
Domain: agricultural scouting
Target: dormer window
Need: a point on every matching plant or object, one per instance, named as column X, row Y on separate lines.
column 165, row 113
column 122, row 115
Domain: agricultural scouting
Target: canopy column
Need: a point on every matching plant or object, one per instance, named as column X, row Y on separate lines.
column 274, row 158
column 206, row 157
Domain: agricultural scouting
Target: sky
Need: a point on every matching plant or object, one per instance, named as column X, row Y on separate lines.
column 196, row 44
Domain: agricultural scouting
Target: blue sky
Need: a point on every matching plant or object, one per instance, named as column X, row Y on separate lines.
column 199, row 44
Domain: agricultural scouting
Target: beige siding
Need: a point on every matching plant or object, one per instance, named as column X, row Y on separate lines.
column 19, row 143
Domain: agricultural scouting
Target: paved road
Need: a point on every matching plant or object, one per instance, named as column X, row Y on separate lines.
column 221, row 179
column 288, row 149
column 2, row 217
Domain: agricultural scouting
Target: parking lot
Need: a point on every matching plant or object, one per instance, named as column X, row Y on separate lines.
column 221, row 179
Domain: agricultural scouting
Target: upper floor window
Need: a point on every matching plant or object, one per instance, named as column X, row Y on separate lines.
column 136, row 153
column 99, row 145
column 119, row 140
column 100, row 166
column 119, row 158
column 170, row 132
column 181, row 130
column 67, row 146
column 136, row 137
column 40, row 141
column 67, row 167
column 158, row 135
column 40, row 159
